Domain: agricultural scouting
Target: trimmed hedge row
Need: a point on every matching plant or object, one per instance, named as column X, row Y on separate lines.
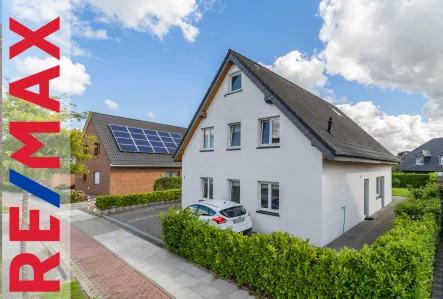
column 105, row 202
column 399, row 264
column 416, row 180
column 168, row 183
column 9, row 187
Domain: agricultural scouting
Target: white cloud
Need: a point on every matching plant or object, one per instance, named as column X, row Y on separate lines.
column 396, row 133
column 391, row 44
column 73, row 76
column 150, row 114
column 111, row 104
column 157, row 17
column 307, row 72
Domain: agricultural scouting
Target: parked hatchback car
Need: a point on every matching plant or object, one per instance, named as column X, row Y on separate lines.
column 223, row 214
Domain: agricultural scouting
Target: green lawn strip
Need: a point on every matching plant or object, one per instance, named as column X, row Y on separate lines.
column 67, row 291
column 400, row 192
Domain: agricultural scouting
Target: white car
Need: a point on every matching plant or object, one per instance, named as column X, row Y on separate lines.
column 223, row 214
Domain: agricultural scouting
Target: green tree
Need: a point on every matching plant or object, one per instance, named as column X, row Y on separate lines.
column 72, row 146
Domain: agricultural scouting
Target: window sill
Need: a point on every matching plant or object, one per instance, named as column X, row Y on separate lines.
column 378, row 197
column 232, row 92
column 206, row 150
column 268, row 213
column 233, row 149
column 270, row 146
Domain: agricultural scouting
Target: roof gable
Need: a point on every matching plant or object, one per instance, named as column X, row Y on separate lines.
column 127, row 159
column 309, row 113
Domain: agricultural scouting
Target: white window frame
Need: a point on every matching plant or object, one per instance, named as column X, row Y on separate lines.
column 440, row 159
column 230, row 181
column 379, row 186
column 419, row 163
column 203, row 181
column 269, row 209
column 260, row 128
column 230, row 132
column 209, row 148
column 96, row 178
column 231, row 76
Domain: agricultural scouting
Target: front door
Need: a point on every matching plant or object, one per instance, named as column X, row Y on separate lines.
column 366, row 197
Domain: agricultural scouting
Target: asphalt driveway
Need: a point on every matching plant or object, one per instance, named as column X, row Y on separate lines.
column 144, row 220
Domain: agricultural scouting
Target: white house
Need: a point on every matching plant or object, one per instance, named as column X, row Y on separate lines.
column 294, row 161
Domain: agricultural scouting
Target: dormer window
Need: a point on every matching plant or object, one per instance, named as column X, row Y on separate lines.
column 420, row 160
column 441, row 160
column 235, row 82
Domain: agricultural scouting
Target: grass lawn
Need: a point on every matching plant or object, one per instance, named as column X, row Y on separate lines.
column 67, row 291
column 400, row 192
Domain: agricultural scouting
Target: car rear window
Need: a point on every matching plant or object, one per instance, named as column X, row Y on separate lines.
column 233, row 212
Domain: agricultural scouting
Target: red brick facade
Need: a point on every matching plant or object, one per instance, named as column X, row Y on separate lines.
column 100, row 163
column 117, row 180
column 126, row 180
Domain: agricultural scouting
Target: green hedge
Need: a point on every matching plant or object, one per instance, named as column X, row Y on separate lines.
column 9, row 187
column 398, row 265
column 416, row 180
column 105, row 202
column 168, row 183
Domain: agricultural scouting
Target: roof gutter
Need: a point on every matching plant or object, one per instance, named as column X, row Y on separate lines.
column 362, row 160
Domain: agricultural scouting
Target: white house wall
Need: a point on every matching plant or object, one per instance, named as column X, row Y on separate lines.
column 343, row 186
column 296, row 165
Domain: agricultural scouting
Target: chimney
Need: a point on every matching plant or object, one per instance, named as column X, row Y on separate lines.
column 329, row 125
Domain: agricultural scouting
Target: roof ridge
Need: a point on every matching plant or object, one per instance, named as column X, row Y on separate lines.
column 92, row 112
column 287, row 80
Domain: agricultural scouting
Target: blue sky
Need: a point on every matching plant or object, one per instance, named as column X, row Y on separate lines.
column 167, row 74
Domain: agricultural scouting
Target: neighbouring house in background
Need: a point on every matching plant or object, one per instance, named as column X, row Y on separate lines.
column 425, row 158
column 59, row 179
column 294, row 161
column 131, row 155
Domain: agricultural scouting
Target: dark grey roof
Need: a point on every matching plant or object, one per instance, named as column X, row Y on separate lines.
column 310, row 114
column 434, row 147
column 118, row 158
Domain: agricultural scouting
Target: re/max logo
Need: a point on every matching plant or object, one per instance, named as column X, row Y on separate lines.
column 23, row 131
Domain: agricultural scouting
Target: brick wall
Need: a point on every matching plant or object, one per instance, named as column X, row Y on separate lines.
column 100, row 163
column 126, row 180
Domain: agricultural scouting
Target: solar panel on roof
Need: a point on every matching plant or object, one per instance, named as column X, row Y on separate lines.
column 131, row 139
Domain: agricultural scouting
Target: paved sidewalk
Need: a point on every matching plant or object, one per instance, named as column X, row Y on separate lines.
column 175, row 275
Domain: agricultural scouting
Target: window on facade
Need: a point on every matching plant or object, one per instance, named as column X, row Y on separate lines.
column 236, row 82
column 169, row 174
column 96, row 177
column 269, row 196
column 270, row 131
column 441, row 160
column 235, row 135
column 207, row 188
column 84, row 178
column 208, row 138
column 380, row 186
column 234, row 190
column 97, row 149
column 419, row 160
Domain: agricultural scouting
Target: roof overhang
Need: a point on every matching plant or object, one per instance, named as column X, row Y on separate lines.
column 146, row 166
column 361, row 160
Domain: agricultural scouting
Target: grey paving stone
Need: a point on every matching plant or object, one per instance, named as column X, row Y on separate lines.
column 209, row 292
column 239, row 294
column 224, row 286
column 187, row 279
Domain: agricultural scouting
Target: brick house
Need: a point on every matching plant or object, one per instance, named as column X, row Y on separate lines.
column 123, row 165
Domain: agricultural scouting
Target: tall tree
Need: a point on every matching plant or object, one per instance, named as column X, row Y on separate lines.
column 72, row 146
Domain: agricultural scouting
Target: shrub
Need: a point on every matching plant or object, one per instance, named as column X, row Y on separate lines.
column 429, row 191
column 398, row 265
column 396, row 182
column 77, row 195
column 65, row 197
column 414, row 179
column 105, row 202
column 168, row 183
column 433, row 177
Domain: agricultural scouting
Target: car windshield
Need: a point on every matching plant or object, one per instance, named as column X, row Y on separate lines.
column 233, row 212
